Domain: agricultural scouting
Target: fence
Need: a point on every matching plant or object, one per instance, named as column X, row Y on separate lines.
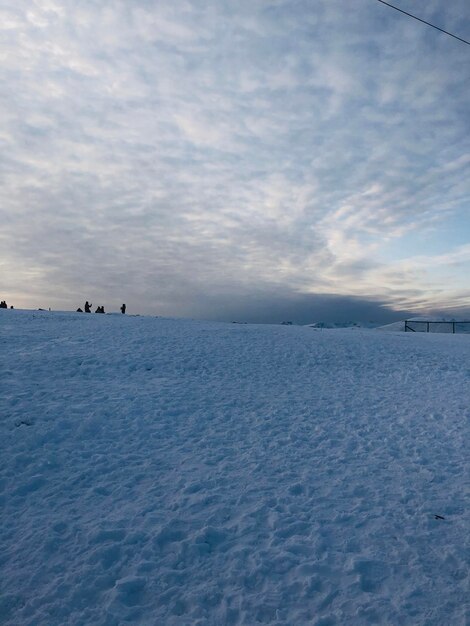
column 423, row 326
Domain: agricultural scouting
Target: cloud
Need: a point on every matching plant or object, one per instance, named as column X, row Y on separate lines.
column 281, row 305
column 152, row 150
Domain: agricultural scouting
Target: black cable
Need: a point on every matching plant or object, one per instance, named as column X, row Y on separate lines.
column 424, row 22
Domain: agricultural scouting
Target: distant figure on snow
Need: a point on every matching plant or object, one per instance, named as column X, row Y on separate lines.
column 87, row 307
column 100, row 309
column 123, row 309
column 3, row 305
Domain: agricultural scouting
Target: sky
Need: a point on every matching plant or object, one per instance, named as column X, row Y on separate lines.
column 250, row 160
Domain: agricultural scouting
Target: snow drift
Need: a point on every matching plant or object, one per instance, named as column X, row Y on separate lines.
column 158, row 471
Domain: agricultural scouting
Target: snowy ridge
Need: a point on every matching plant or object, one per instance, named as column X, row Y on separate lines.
column 181, row 473
column 356, row 324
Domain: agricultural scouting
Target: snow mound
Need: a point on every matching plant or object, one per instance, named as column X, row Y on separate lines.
column 395, row 326
column 173, row 472
column 333, row 325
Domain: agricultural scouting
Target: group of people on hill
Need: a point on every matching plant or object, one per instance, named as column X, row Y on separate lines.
column 99, row 309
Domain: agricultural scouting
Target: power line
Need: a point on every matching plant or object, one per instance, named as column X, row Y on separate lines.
column 424, row 22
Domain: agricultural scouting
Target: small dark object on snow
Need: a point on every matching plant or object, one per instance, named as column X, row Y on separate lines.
column 88, row 307
column 100, row 309
column 438, row 517
column 3, row 305
column 23, row 423
column 79, row 310
column 123, row 309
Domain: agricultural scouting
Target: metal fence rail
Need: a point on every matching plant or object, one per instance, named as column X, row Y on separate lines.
column 423, row 326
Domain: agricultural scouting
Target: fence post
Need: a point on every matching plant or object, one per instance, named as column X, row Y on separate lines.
column 428, row 327
column 453, row 328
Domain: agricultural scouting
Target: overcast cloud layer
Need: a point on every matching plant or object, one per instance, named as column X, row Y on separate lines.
column 189, row 157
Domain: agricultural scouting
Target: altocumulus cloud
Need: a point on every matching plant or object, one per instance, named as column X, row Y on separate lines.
column 205, row 158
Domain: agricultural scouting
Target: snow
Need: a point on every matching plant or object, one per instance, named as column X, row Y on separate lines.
column 436, row 325
column 352, row 325
column 177, row 472
column 394, row 326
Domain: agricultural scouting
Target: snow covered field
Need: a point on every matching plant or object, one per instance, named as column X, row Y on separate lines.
column 172, row 472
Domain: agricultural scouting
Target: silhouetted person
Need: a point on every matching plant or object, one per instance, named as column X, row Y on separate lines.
column 79, row 310
column 100, row 309
column 87, row 307
column 3, row 305
column 123, row 309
